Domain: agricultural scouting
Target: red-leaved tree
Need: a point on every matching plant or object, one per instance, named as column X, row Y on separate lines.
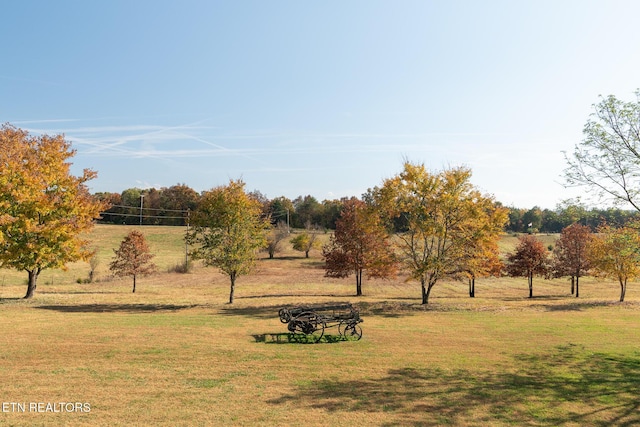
column 360, row 243
column 529, row 259
column 570, row 255
column 133, row 257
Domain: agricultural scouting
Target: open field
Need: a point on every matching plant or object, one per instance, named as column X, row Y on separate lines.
column 174, row 353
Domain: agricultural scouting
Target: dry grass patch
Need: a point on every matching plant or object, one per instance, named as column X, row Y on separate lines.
column 174, row 353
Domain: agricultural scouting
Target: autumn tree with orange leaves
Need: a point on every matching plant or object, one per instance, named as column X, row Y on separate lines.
column 44, row 209
column 481, row 258
column 480, row 255
column 133, row 257
column 570, row 255
column 529, row 259
column 360, row 244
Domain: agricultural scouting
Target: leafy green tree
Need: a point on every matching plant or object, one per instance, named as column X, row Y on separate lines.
column 112, row 211
column 307, row 240
column 551, row 222
column 307, row 211
column 133, row 257
column 615, row 253
column 44, row 209
column 572, row 211
column 532, row 220
column 607, row 161
column 528, row 259
column 331, row 210
column 360, row 243
column 228, row 231
column 440, row 211
column 131, row 198
column 281, row 209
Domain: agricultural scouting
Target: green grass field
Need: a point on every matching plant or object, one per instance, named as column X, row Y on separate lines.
column 174, row 353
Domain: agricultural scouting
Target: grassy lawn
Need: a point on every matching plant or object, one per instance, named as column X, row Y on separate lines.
column 174, row 353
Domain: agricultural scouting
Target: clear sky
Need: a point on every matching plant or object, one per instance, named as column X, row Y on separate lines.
column 323, row 98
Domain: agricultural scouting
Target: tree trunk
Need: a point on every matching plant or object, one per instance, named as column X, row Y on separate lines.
column 425, row 294
column 472, row 287
column 31, row 287
column 429, row 286
column 306, row 254
column 573, row 281
column 359, row 283
column 426, row 291
column 232, row 276
column 530, row 285
column 623, row 289
column 134, row 284
column 577, row 286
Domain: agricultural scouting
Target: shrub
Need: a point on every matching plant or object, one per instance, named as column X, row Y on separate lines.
column 181, row 267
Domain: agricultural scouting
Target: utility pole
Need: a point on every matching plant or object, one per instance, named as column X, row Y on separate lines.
column 141, row 203
column 186, row 244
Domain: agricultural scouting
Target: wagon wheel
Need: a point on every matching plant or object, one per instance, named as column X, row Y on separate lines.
column 341, row 328
column 352, row 332
column 285, row 315
column 318, row 330
column 307, row 327
column 295, row 328
column 345, row 324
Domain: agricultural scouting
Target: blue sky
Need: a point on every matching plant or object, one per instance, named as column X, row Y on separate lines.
column 322, row 98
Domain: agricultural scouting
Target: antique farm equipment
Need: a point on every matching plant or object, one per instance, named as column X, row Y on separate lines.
column 308, row 323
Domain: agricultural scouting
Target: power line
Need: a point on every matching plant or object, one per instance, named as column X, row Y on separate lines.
column 151, row 209
column 144, row 216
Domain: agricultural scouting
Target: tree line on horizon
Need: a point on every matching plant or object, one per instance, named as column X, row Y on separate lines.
column 173, row 206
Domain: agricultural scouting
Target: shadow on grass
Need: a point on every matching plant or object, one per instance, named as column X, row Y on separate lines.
column 387, row 309
column 79, row 292
column 567, row 386
column 525, row 297
column 284, row 258
column 579, row 305
column 289, row 338
column 256, row 312
column 298, row 295
column 270, row 311
column 115, row 308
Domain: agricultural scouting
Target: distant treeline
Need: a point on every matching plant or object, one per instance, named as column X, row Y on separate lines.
column 172, row 206
column 553, row 221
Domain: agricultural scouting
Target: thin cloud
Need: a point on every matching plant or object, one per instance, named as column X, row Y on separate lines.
column 30, row 122
column 195, row 140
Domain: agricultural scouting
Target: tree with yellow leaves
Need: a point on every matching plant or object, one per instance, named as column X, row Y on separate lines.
column 43, row 208
column 441, row 215
column 228, row 231
column 615, row 253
